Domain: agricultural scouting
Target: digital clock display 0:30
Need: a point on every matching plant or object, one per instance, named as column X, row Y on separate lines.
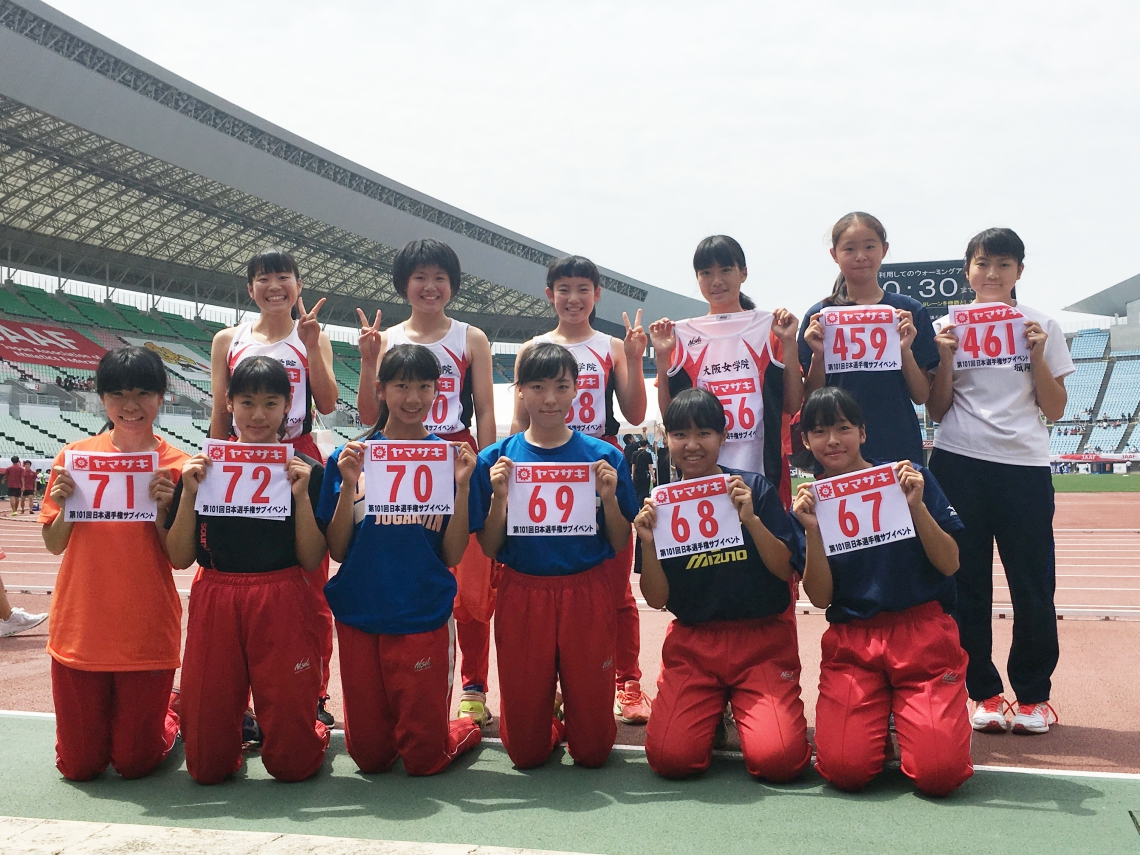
column 935, row 284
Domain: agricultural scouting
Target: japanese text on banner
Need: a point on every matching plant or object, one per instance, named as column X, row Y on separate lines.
column 861, row 510
column 695, row 515
column 551, row 499
column 111, row 487
column 861, row 338
column 245, row 480
column 402, row 477
column 990, row 335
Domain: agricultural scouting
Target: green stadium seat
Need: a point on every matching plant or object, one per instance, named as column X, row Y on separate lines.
column 142, row 321
column 99, row 315
column 184, row 328
column 13, row 305
column 53, row 308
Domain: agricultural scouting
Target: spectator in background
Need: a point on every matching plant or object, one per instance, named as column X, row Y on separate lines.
column 642, row 467
column 629, row 449
column 14, row 476
column 27, row 493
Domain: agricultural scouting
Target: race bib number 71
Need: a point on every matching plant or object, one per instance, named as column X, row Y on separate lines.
column 110, row 486
column 551, row 499
column 245, row 479
column 695, row 516
column 861, row 510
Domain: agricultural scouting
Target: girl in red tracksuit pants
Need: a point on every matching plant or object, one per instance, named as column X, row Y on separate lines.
column 392, row 597
column 253, row 619
column 891, row 646
column 729, row 641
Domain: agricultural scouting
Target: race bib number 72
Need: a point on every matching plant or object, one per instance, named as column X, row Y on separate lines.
column 551, row 499
column 110, row 486
column 245, row 479
column 861, row 510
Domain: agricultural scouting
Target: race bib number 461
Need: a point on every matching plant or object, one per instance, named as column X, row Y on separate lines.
column 551, row 499
column 409, row 477
column 110, row 486
column 989, row 335
column 695, row 516
column 245, row 479
column 861, row 339
column 861, row 510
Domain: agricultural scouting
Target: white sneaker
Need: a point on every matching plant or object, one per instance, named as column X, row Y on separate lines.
column 989, row 715
column 1034, row 718
column 19, row 622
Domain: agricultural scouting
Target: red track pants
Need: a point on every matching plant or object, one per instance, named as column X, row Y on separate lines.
column 551, row 628
column 476, row 578
column 909, row 663
column 117, row 718
column 252, row 630
column 755, row 665
column 397, row 700
column 628, row 631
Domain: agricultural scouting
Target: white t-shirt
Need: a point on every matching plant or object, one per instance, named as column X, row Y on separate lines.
column 994, row 415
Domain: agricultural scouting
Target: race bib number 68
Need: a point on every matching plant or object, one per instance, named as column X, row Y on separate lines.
column 695, row 515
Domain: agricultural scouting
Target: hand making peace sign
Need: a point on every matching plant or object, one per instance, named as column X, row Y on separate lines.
column 371, row 341
column 635, row 337
column 308, row 327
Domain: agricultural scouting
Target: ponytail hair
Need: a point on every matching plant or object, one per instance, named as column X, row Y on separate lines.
column 839, row 295
column 404, row 362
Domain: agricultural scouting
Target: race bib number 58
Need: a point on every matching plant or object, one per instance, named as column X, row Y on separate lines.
column 409, row 477
column 695, row 516
column 110, row 486
column 245, row 480
column 861, row 510
column 551, row 499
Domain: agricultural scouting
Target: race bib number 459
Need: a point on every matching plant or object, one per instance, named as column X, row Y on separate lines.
column 110, row 486
column 861, row 339
column 989, row 335
column 245, row 479
column 695, row 516
column 409, row 477
column 861, row 510
column 551, row 499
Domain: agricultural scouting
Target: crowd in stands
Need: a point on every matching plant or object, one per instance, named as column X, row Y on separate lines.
column 70, row 384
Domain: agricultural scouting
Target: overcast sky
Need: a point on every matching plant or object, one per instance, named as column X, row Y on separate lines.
column 629, row 131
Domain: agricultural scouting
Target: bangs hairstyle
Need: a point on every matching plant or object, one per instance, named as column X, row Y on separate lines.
column 839, row 295
column 127, row 368
column 423, row 253
column 1000, row 243
column 572, row 267
column 827, row 406
column 271, row 260
column 260, row 374
column 694, row 408
column 545, row 361
column 718, row 251
column 403, row 362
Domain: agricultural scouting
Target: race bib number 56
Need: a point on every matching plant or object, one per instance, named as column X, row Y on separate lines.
column 551, row 499
column 861, row 510
column 409, row 477
column 110, row 486
column 245, row 480
column 861, row 339
column 695, row 516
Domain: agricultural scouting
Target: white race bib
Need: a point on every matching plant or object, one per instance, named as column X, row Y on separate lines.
column 245, row 480
column 403, row 477
column 989, row 335
column 110, row 486
column 552, row 499
column 695, row 515
column 861, row 338
column 861, row 510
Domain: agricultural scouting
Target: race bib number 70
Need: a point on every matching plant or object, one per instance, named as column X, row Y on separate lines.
column 110, row 486
column 402, row 477
column 551, row 499
column 861, row 510
column 695, row 516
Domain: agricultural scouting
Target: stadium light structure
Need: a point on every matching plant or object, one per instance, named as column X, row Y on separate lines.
column 120, row 173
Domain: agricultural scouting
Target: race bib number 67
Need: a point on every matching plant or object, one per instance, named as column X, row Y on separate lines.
column 110, row 486
column 551, row 499
column 861, row 510
column 695, row 516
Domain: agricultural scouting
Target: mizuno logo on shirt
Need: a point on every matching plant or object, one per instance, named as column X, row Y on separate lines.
column 303, row 665
column 706, row 559
column 423, row 664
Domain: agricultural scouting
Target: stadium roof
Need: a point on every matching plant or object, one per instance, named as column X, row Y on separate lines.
column 1111, row 301
column 118, row 172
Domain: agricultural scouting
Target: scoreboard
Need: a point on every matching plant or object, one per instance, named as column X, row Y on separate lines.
column 935, row 284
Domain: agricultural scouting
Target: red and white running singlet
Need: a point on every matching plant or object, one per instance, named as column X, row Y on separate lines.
column 291, row 353
column 592, row 412
column 453, row 405
column 737, row 358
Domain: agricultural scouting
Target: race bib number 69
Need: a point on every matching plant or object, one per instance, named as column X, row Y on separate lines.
column 861, row 510
column 110, row 486
column 551, row 499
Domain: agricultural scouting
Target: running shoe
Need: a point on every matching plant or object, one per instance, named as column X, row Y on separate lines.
column 20, row 621
column 630, row 705
column 473, row 705
column 989, row 715
column 324, row 716
column 1034, row 718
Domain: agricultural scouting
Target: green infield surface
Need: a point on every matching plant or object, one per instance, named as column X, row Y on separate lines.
column 1076, row 483
column 622, row 808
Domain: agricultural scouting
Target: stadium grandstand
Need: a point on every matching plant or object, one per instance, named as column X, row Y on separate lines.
column 132, row 200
